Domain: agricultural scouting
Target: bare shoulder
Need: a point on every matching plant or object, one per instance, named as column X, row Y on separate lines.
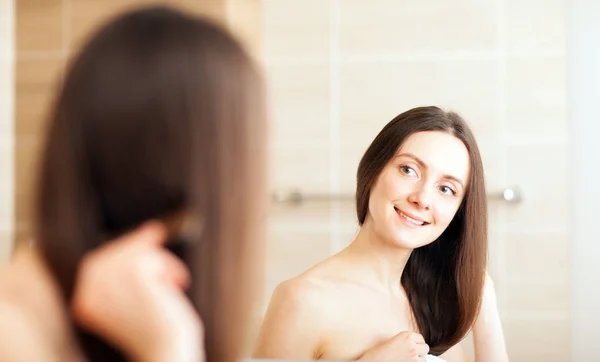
column 302, row 290
column 455, row 354
column 295, row 323
column 311, row 293
column 32, row 327
column 20, row 339
column 304, row 298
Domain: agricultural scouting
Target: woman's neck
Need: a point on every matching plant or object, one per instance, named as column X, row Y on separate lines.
column 376, row 262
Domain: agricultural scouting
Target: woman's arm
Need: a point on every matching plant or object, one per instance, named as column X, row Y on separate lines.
column 488, row 336
column 292, row 325
column 455, row 354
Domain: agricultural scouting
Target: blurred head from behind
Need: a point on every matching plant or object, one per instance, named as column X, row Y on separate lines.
column 160, row 113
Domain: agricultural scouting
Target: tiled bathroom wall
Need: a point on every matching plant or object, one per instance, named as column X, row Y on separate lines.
column 6, row 127
column 341, row 69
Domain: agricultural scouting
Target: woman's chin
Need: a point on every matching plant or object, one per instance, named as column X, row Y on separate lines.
column 403, row 241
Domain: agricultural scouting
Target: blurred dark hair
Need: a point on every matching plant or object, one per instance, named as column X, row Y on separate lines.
column 160, row 112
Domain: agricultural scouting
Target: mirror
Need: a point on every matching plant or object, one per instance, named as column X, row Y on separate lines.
column 338, row 71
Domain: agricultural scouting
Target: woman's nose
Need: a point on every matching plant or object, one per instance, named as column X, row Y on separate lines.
column 421, row 197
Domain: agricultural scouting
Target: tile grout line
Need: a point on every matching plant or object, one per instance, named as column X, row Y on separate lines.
column 10, row 129
column 66, row 28
column 334, row 122
column 501, row 154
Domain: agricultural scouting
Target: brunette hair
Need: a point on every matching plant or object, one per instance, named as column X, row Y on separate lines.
column 444, row 279
column 161, row 112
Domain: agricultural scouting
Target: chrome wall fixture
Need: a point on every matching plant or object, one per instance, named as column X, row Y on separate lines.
column 296, row 197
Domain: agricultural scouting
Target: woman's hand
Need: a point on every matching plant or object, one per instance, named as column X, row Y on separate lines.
column 130, row 292
column 403, row 347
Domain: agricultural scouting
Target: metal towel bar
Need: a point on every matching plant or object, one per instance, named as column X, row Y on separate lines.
column 295, row 197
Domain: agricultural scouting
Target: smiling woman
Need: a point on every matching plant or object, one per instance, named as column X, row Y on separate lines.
column 412, row 281
column 424, row 187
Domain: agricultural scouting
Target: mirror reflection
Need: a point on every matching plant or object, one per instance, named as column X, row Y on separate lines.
column 417, row 188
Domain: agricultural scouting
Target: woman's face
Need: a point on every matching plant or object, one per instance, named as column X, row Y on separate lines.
column 420, row 190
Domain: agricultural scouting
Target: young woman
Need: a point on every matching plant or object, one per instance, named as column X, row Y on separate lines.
column 413, row 281
column 159, row 117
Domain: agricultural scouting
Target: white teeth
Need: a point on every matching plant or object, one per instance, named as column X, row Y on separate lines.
column 420, row 223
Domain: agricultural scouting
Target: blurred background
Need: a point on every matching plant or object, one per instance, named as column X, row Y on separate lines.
column 338, row 70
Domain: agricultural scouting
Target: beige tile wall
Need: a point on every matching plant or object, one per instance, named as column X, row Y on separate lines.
column 6, row 127
column 341, row 69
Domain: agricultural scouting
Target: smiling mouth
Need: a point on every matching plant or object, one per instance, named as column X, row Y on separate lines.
column 412, row 220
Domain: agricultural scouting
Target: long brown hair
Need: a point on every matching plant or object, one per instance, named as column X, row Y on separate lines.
column 160, row 112
column 444, row 279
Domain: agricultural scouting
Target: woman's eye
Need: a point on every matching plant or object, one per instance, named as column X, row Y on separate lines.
column 447, row 190
column 407, row 170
